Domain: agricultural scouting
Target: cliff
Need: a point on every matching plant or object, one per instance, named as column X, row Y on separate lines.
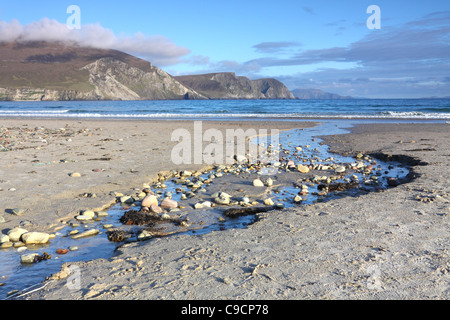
column 58, row 71
column 306, row 94
column 227, row 85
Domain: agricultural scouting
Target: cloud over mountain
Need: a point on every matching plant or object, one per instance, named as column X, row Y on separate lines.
column 157, row 49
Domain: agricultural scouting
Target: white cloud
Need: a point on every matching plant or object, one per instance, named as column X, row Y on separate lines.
column 157, row 49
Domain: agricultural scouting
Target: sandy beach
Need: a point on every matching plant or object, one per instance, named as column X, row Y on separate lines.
column 384, row 245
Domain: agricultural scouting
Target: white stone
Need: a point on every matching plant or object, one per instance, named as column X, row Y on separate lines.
column 82, row 217
column 4, row 238
column 35, row 237
column 87, row 233
column 89, row 213
column 149, row 200
column 28, row 258
column 144, row 235
column 339, row 169
column 258, row 183
column 303, row 169
column 16, row 233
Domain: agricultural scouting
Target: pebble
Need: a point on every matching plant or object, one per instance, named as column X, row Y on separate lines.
column 303, row 169
column 155, row 208
column 126, row 199
column 89, row 213
column 75, row 175
column 269, row 182
column 149, row 200
column 222, row 198
column 73, row 248
column 87, row 233
column 28, row 258
column 168, row 203
column 144, row 235
column 19, row 244
column 35, row 237
column 4, row 238
column 18, row 211
column 205, row 204
column 339, row 169
column 82, row 217
column 6, row 245
column 16, row 233
column 102, row 214
column 240, row 158
column 2, row 219
column 258, row 183
column 268, row 202
column 165, row 216
column 62, row 251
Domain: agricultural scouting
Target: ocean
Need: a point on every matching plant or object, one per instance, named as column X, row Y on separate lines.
column 419, row 109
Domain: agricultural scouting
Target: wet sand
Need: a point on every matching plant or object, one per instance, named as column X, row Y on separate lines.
column 388, row 245
column 111, row 157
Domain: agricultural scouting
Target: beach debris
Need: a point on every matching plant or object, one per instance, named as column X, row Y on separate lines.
column 139, row 218
column 239, row 212
column 42, row 257
column 117, row 235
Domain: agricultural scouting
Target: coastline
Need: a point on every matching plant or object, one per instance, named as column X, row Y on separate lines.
column 298, row 253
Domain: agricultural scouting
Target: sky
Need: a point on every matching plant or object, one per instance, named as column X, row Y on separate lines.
column 320, row 44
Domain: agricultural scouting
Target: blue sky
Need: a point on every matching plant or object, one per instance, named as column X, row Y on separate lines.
column 306, row 44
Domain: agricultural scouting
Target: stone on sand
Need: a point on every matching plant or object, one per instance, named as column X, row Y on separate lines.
column 258, row 183
column 149, row 200
column 87, row 233
column 16, row 233
column 35, row 237
column 168, row 203
column 303, row 169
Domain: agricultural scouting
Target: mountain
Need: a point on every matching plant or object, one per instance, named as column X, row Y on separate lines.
column 61, row 71
column 65, row 71
column 317, row 94
column 227, row 85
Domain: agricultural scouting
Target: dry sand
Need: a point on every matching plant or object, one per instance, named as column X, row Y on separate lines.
column 388, row 245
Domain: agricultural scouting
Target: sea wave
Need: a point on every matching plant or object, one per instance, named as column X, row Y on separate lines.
column 70, row 114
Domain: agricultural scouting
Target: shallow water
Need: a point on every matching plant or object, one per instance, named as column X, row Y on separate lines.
column 17, row 276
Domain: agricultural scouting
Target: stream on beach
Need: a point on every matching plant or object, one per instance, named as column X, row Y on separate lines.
column 299, row 145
